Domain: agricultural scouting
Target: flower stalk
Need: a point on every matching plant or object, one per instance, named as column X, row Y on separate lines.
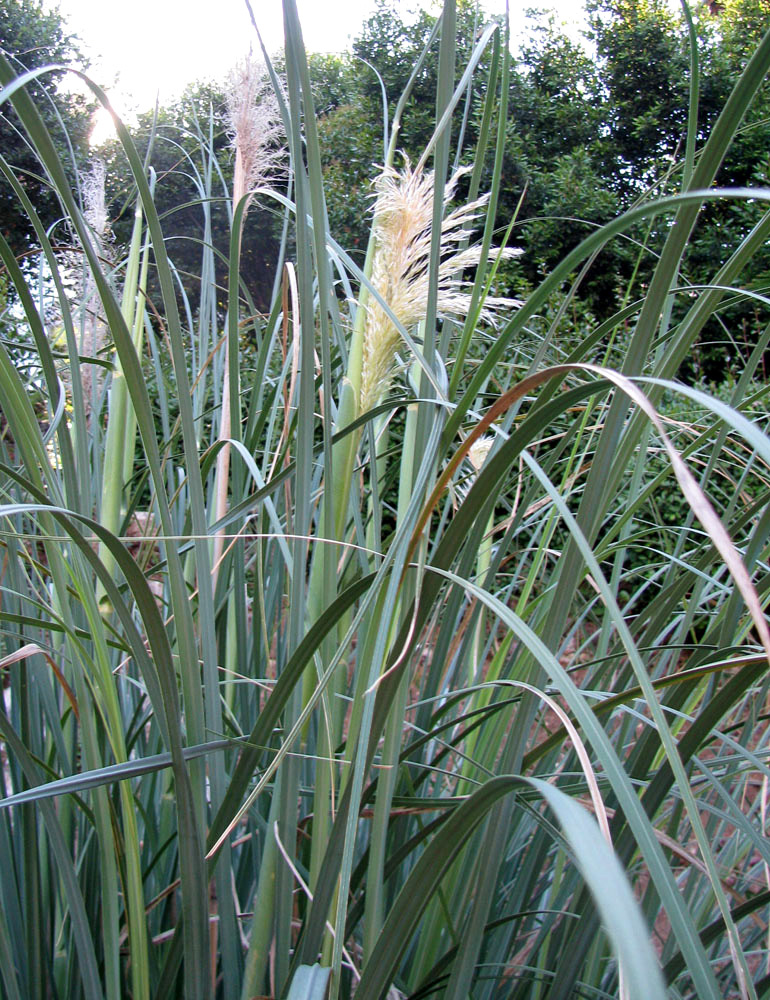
column 121, row 424
column 252, row 120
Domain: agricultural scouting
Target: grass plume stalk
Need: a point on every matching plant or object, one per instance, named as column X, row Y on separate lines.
column 398, row 263
column 92, row 317
column 119, row 448
column 254, row 131
column 400, row 254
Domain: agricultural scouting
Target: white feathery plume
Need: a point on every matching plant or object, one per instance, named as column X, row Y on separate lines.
column 403, row 217
column 253, row 126
column 94, row 202
column 478, row 451
column 94, row 328
column 477, row 455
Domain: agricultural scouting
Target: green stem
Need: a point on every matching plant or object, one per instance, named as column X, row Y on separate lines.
column 374, row 912
column 117, row 444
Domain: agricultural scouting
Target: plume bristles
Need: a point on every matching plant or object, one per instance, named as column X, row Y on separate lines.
column 403, row 220
column 253, row 123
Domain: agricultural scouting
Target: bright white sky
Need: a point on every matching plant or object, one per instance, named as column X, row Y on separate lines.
column 149, row 47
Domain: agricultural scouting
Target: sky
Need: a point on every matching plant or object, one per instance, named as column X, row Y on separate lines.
column 150, row 48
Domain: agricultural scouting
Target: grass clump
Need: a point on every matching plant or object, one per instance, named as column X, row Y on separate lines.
column 411, row 691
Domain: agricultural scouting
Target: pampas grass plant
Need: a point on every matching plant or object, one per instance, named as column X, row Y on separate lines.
column 368, row 720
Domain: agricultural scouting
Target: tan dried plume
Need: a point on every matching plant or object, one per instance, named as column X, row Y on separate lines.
column 403, row 218
column 253, row 126
column 478, row 451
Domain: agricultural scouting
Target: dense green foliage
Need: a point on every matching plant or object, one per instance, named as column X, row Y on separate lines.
column 364, row 632
column 34, row 38
column 585, row 137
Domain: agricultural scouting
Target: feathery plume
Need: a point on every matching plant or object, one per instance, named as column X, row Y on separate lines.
column 403, row 218
column 94, row 326
column 253, row 125
column 94, row 203
column 478, row 451
column 477, row 455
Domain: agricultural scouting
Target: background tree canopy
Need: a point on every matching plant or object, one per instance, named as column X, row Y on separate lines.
column 592, row 127
column 34, row 38
column 192, row 193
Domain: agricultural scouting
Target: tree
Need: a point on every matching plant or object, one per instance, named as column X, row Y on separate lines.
column 645, row 69
column 557, row 148
column 32, row 38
